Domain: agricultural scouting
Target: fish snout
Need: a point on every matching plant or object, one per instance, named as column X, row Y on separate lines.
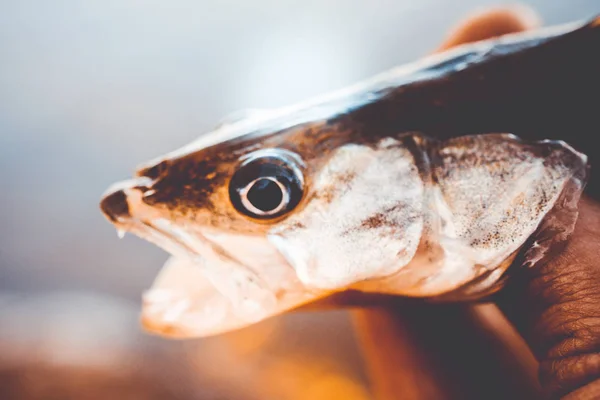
column 114, row 205
column 153, row 169
column 115, row 201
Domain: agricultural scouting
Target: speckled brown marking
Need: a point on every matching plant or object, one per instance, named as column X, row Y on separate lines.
column 327, row 194
column 376, row 221
column 479, row 178
column 185, row 185
column 296, row 225
column 381, row 220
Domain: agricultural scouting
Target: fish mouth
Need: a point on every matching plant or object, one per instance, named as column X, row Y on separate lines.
column 122, row 204
column 200, row 276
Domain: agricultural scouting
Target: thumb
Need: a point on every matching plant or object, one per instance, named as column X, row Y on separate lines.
column 491, row 22
column 556, row 307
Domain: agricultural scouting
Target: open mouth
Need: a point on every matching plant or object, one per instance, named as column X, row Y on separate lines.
column 201, row 290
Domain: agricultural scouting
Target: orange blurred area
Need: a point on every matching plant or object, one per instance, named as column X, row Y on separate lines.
column 255, row 338
column 89, row 90
column 296, row 378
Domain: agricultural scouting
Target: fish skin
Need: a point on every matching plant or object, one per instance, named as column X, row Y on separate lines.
column 439, row 117
column 535, row 87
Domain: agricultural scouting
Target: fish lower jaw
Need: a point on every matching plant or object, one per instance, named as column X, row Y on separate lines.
column 198, row 294
column 182, row 303
column 175, row 311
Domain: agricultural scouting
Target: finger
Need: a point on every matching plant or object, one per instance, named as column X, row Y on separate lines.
column 491, row 23
column 556, row 306
column 444, row 352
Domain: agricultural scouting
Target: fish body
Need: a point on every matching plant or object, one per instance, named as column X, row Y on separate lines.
column 412, row 183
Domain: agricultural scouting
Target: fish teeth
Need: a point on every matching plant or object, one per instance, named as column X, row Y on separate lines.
column 121, row 233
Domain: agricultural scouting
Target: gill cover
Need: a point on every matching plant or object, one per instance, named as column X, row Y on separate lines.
column 423, row 217
column 363, row 218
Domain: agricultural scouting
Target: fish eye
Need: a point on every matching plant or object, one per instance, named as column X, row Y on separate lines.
column 267, row 185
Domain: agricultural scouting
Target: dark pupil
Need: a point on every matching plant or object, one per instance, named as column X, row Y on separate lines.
column 265, row 195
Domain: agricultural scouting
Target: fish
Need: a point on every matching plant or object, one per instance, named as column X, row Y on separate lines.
column 433, row 180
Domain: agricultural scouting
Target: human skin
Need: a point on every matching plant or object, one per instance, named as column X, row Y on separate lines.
column 537, row 338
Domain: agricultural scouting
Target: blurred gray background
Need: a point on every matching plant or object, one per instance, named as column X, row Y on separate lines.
column 89, row 89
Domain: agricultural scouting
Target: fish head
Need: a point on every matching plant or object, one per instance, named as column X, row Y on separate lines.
column 264, row 222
